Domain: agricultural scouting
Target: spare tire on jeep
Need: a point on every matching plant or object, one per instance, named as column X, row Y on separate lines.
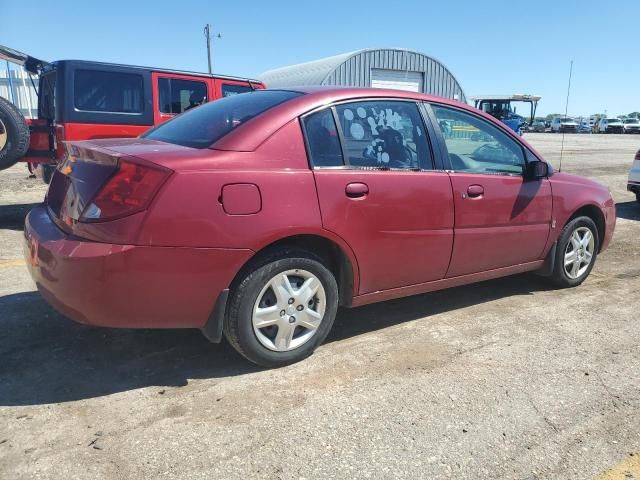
column 14, row 134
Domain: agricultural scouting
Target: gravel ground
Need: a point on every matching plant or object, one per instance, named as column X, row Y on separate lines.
column 503, row 379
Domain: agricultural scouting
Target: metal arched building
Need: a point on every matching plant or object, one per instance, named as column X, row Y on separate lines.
column 382, row 68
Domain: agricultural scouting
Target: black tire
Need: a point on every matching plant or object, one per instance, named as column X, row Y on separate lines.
column 17, row 132
column 238, row 326
column 45, row 172
column 559, row 276
column 638, row 197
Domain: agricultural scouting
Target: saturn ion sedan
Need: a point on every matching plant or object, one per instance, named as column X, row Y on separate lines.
column 256, row 216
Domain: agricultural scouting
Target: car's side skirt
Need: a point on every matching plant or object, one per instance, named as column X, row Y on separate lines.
column 409, row 290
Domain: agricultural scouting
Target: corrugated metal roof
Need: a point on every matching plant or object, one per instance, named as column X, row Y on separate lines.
column 354, row 69
column 307, row 73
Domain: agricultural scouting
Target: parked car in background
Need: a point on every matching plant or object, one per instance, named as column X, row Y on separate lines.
column 538, row 127
column 258, row 215
column 610, row 125
column 633, row 184
column 584, row 127
column 631, row 125
column 564, row 125
column 80, row 100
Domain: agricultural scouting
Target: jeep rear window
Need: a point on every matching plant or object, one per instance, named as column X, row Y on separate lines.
column 204, row 125
column 103, row 91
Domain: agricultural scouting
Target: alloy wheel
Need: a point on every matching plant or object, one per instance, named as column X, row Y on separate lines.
column 579, row 252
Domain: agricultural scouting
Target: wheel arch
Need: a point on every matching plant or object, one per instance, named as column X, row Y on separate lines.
column 594, row 213
column 337, row 257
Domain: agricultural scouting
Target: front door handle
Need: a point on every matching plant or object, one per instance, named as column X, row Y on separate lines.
column 475, row 191
column 356, row 190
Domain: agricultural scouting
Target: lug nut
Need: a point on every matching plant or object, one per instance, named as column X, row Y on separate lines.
column 299, row 308
column 282, row 313
column 291, row 300
column 292, row 319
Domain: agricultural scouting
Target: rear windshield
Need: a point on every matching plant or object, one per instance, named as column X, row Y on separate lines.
column 47, row 96
column 202, row 126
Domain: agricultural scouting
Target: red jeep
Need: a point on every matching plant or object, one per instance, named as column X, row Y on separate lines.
column 82, row 100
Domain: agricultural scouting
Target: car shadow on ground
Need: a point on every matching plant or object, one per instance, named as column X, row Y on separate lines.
column 628, row 210
column 12, row 216
column 47, row 358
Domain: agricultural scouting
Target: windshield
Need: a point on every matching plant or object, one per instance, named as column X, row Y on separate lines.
column 632, row 120
column 204, row 125
column 567, row 119
column 613, row 120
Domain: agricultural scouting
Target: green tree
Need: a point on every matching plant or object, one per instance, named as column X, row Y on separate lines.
column 634, row 115
column 551, row 116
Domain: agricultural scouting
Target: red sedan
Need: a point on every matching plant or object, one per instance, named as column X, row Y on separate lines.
column 257, row 215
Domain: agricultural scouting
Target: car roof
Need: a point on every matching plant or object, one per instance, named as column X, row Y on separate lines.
column 250, row 135
column 158, row 69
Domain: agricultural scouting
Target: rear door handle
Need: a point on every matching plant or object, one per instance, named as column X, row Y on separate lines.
column 475, row 191
column 356, row 190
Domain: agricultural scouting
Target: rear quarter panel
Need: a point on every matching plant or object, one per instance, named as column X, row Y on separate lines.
column 189, row 211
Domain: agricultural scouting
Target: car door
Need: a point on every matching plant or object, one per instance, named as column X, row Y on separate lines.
column 378, row 190
column 174, row 94
column 501, row 218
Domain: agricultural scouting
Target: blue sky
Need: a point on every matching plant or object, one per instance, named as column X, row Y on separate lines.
column 490, row 46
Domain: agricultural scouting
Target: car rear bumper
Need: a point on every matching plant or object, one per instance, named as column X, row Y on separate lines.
column 126, row 285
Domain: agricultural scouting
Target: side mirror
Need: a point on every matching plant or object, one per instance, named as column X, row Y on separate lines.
column 536, row 170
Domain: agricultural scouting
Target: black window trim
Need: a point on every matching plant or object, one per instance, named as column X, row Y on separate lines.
column 346, row 165
column 445, row 150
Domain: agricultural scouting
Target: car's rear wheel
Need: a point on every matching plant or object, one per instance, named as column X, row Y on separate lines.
column 282, row 309
column 638, row 197
column 14, row 134
column 576, row 252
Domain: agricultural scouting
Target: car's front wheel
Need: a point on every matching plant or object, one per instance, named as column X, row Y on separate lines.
column 576, row 252
column 282, row 309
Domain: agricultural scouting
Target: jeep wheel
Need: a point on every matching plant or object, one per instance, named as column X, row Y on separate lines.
column 281, row 311
column 14, row 134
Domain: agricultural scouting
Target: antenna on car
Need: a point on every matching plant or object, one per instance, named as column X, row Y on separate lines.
column 566, row 110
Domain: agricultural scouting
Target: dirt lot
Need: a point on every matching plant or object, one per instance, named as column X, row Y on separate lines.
column 504, row 379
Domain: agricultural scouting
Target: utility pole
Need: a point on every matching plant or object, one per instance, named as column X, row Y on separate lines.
column 207, row 34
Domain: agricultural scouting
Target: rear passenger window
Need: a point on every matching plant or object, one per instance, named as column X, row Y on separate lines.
column 384, row 134
column 229, row 89
column 114, row 92
column 176, row 95
column 322, row 139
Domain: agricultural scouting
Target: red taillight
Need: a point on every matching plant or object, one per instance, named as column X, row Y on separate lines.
column 128, row 191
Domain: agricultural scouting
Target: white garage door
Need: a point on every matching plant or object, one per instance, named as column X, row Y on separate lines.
column 400, row 80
